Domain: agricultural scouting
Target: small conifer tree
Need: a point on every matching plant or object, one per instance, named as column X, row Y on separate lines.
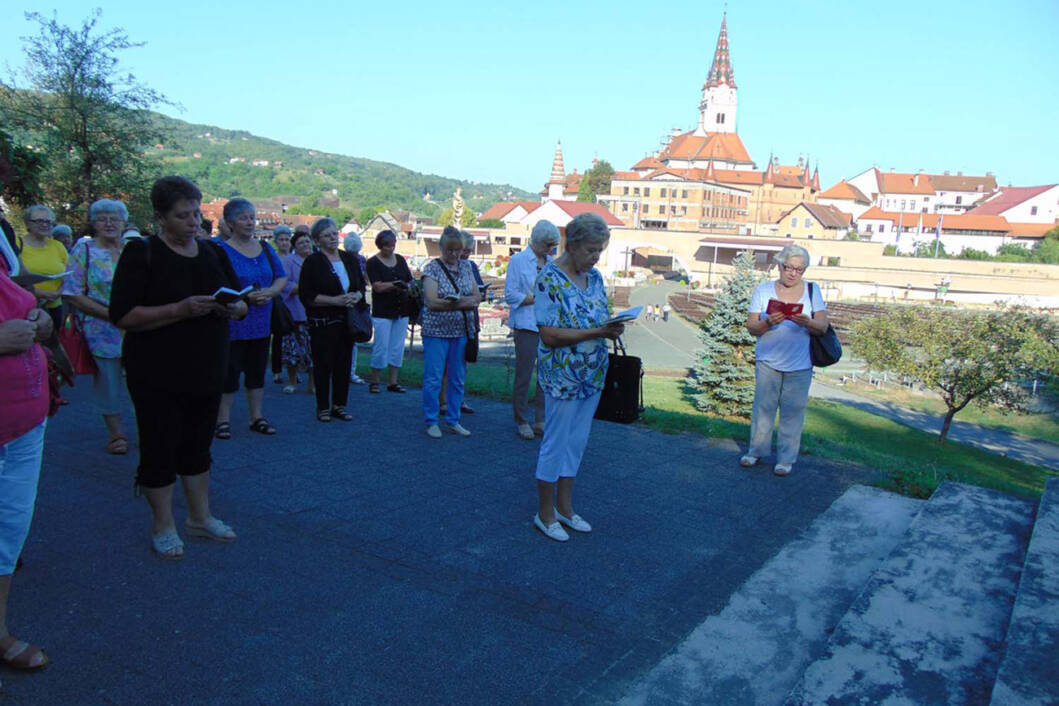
column 722, row 381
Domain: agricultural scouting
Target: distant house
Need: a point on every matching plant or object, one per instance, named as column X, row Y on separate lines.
column 234, row 160
column 380, row 222
column 814, row 221
column 845, row 197
column 259, row 163
column 1022, row 204
column 508, row 211
column 562, row 212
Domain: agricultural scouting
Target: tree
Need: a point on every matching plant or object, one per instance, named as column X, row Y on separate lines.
column 90, row 120
column 965, row 356
column 595, row 181
column 722, row 382
column 20, row 169
column 1047, row 250
column 470, row 218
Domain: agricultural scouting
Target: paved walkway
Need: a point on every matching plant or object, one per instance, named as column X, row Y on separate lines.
column 377, row 566
column 669, row 345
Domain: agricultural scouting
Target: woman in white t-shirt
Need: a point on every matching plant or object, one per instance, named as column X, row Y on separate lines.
column 783, row 370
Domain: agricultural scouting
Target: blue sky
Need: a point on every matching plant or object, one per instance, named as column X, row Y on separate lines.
column 482, row 90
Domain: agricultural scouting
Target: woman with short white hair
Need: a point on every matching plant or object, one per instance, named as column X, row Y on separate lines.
column 522, row 271
column 783, row 313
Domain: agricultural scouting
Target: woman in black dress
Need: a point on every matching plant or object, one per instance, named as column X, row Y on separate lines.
column 176, row 354
column 330, row 282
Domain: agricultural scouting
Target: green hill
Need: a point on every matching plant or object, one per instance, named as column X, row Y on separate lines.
column 222, row 163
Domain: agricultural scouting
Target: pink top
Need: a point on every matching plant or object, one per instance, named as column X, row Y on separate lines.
column 23, row 376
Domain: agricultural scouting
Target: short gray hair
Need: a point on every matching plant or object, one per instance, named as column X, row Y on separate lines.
column 107, row 206
column 320, row 226
column 790, row 251
column 236, row 208
column 352, row 243
column 280, row 229
column 544, row 233
column 28, row 213
column 449, row 236
column 587, row 227
column 468, row 239
column 62, row 229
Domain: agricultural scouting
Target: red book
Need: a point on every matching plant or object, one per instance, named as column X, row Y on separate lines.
column 789, row 310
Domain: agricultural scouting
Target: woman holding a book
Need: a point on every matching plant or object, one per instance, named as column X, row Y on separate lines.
column 175, row 352
column 571, row 308
column 782, row 315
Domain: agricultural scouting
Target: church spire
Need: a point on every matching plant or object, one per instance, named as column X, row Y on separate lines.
column 721, row 71
column 558, row 173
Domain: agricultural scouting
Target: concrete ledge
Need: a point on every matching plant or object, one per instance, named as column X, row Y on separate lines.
column 1029, row 674
column 930, row 625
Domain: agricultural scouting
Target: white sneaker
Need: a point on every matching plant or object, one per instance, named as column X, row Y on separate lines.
column 457, row 429
column 782, row 469
column 575, row 523
column 525, row 431
column 433, row 431
column 748, row 461
column 356, row 379
column 553, row 531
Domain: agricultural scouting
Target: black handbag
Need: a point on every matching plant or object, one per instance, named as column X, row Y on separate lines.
column 358, row 322
column 281, row 322
column 622, row 398
column 824, row 349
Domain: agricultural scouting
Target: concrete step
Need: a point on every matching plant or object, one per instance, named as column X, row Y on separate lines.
column 757, row 647
column 1029, row 674
column 929, row 626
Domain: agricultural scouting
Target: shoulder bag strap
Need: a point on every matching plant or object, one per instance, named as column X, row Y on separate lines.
column 448, row 274
column 812, row 288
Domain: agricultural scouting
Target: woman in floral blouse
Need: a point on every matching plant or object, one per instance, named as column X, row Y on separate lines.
column 87, row 288
column 571, row 307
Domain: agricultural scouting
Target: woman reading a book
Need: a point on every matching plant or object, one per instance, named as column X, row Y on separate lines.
column 175, row 352
column 571, row 307
column 780, row 319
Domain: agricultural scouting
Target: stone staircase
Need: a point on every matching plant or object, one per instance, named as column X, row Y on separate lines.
column 887, row 600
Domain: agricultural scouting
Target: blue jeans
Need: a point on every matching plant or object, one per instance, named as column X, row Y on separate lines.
column 440, row 355
column 790, row 393
column 19, row 470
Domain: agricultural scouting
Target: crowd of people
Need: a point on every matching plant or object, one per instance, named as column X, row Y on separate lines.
column 179, row 318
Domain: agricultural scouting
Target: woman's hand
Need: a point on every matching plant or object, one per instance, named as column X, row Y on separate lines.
column 234, row 310
column 46, row 296
column 196, row 306
column 611, row 331
column 802, row 320
column 776, row 318
column 259, row 296
column 42, row 322
column 17, row 335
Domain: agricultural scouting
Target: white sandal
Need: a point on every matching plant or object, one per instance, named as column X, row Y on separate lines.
column 748, row 461
column 167, row 545
column 782, row 469
column 213, row 529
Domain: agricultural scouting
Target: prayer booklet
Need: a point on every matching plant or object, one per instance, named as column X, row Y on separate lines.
column 788, row 309
column 624, row 316
column 224, row 295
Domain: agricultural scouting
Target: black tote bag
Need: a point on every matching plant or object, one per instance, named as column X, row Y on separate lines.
column 824, row 349
column 622, row 398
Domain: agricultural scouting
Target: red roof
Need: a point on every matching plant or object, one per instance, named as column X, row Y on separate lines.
column 898, row 183
column 648, row 163
column 1032, row 229
column 738, row 176
column 1009, row 197
column 499, row 210
column 952, row 221
column 712, row 145
column 845, row 190
column 576, row 208
column 829, row 216
column 633, row 176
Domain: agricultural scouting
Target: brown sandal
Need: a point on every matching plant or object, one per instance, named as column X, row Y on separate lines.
column 118, row 445
column 20, row 655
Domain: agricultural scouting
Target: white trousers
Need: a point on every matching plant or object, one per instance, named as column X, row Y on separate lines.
column 566, row 427
column 388, row 347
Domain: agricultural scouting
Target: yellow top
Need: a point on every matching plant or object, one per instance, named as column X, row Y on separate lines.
column 49, row 259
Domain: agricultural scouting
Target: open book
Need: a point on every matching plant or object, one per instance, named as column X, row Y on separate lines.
column 30, row 278
column 224, row 295
column 788, row 309
column 623, row 316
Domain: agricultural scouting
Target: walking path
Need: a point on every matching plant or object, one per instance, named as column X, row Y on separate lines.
column 377, row 566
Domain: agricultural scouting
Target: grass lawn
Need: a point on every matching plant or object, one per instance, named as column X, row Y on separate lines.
column 913, row 461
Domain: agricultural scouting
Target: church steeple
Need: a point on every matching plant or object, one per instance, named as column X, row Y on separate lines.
column 718, row 106
column 721, row 71
column 554, row 187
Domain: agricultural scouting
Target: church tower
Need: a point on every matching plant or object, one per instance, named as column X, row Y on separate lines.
column 717, row 109
column 554, row 187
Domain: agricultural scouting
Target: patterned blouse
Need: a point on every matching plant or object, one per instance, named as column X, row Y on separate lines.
column 104, row 338
column 571, row 372
column 448, row 324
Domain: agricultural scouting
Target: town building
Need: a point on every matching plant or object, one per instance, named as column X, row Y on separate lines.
column 845, row 197
column 1023, row 204
column 919, row 192
column 814, row 221
column 957, row 232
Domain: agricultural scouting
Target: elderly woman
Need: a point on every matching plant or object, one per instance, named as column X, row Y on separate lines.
column 87, row 290
column 450, row 296
column 176, row 354
column 390, row 279
column 783, row 370
column 281, row 243
column 296, row 355
column 44, row 256
column 64, row 234
column 571, row 307
column 468, row 250
column 331, row 282
column 353, row 244
column 522, row 271
column 256, row 265
column 23, row 413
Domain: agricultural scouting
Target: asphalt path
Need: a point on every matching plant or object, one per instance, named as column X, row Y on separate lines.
column 662, row 345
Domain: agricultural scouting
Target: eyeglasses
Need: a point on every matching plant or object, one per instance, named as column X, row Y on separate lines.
column 792, row 268
column 41, row 221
